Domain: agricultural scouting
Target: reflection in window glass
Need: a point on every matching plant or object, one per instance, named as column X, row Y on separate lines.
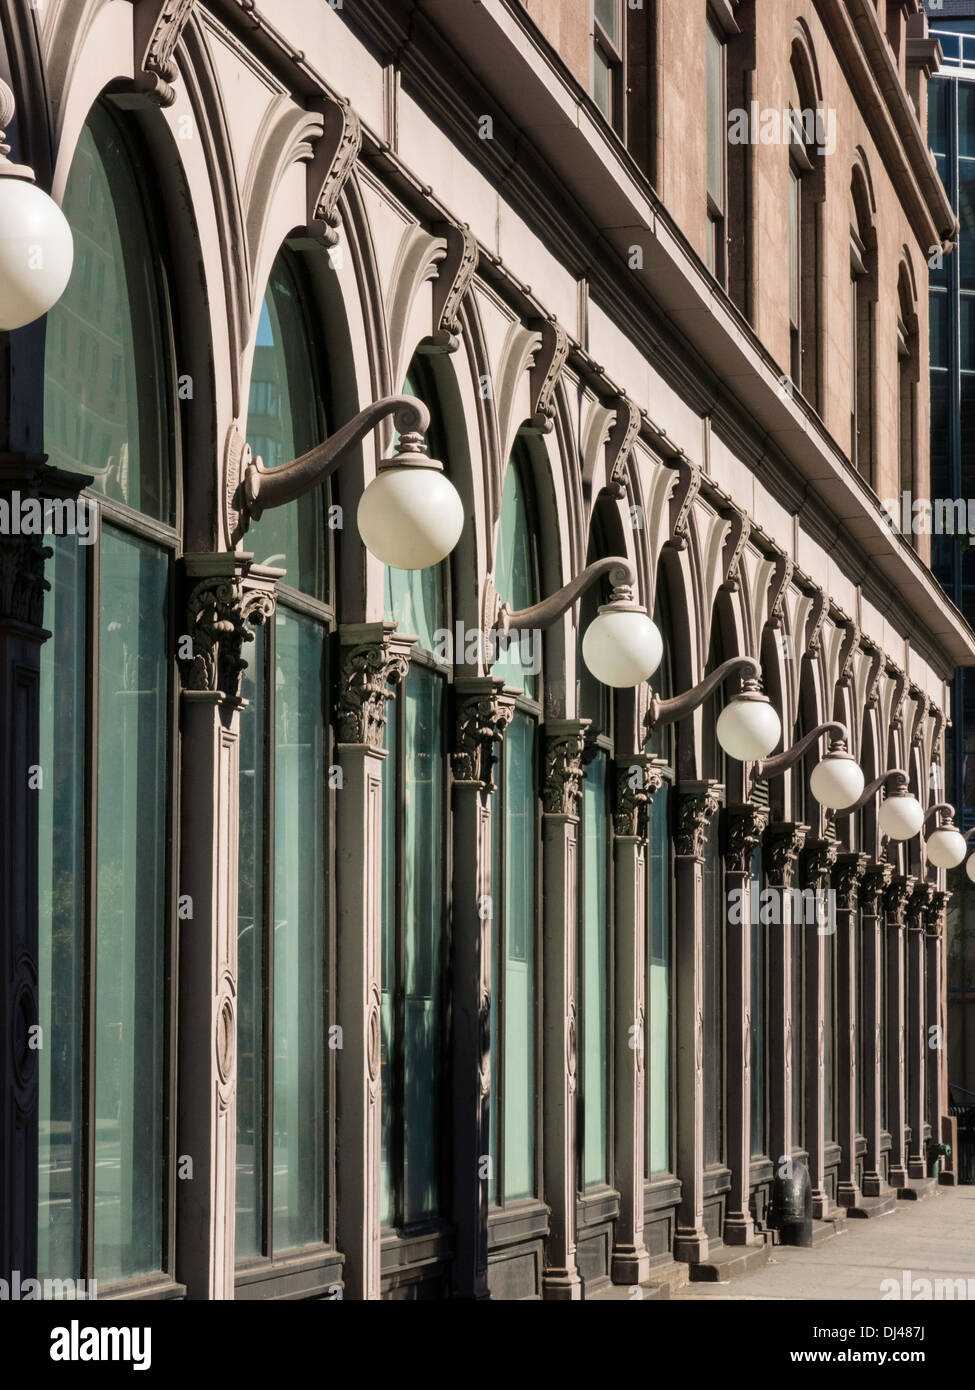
column 516, row 574
column 105, row 373
column 519, row 962
column 284, row 421
column 658, row 998
column 132, row 761
column 759, row 934
column 61, row 878
column 299, row 1062
column 250, row 957
column 595, row 977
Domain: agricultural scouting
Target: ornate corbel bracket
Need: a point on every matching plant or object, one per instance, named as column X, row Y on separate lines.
column 456, row 274
column 620, row 442
column 818, row 859
column 697, row 804
column 335, row 156
column 900, row 696
column 816, row 620
column 484, row 709
column 918, row 905
column 158, row 25
column 934, row 915
column 637, row 780
column 564, row 778
column 228, row 598
column 734, row 549
column 848, row 650
column 920, row 714
column 779, row 587
column 374, row 658
column 896, row 896
column 876, row 881
column 550, row 360
column 871, row 693
column 689, row 479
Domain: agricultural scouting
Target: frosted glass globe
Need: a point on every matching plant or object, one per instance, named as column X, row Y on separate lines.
column 837, row 782
column 622, row 647
column 36, row 253
column 410, row 517
column 970, row 868
column 900, row 817
column 946, row 848
column 748, row 729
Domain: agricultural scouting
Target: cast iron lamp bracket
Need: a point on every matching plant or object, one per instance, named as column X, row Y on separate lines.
column 679, row 706
column 542, row 615
column 253, row 489
column 782, row 762
column 947, row 813
column 896, row 775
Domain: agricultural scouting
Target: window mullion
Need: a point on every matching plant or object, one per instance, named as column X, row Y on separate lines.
column 93, row 599
column 267, row 1078
column 399, row 994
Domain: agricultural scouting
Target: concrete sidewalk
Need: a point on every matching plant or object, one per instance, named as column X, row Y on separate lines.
column 933, row 1239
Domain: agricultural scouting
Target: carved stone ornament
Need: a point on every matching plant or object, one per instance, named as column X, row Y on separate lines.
column 746, row 826
column 367, row 671
column 918, row 905
column 550, row 359
column 457, row 271
column 786, row 842
column 22, row 582
column 483, row 715
column 158, row 27
column 850, row 869
column 564, row 779
column 818, row 859
column 335, row 155
column 848, row 650
column 696, row 807
column 637, row 779
column 934, row 916
column 621, row 439
column 221, row 613
column 898, row 892
column 876, row 881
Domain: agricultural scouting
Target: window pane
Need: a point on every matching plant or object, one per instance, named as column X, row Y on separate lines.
column 387, row 1195
column 105, row 386
column 716, row 118
column 608, row 15
column 602, row 82
column 798, row 974
column 519, row 972
column 423, row 820
column 759, row 933
column 714, row 917
column 132, row 759
column 250, row 956
column 61, row 878
column 516, row 577
column 829, row 1020
column 299, row 857
column 595, row 977
column 658, row 1001
column 282, row 424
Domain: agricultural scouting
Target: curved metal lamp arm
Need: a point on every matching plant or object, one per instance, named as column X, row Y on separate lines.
column 942, row 807
column 669, row 711
column 970, row 834
column 263, row 488
column 775, row 767
column 544, row 614
column 874, row 787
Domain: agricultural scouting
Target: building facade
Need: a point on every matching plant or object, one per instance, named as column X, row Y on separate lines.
column 346, row 956
column 951, row 129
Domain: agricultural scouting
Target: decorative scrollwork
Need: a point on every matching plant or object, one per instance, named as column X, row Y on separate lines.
column 483, row 716
column 564, row 779
column 368, row 670
column 695, row 811
column 221, row 615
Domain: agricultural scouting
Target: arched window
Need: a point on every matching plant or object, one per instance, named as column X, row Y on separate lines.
column 414, row 886
column 908, row 383
column 807, row 156
column 863, row 299
column 595, row 951
column 284, row 789
column 514, row 1032
column 106, row 808
column 660, row 926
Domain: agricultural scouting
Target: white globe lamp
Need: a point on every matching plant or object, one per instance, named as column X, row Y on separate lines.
column 622, row 646
column 837, row 781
